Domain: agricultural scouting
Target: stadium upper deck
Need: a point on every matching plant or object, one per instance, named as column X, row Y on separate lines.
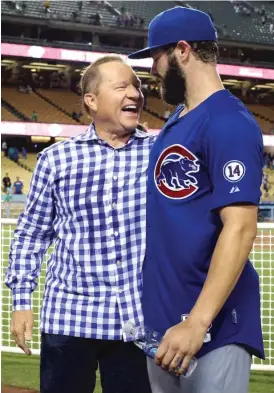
column 240, row 21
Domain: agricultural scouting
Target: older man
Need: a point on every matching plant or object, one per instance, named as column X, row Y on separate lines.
column 88, row 196
column 200, row 290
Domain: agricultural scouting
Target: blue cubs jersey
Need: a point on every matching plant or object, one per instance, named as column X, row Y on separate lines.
column 210, row 158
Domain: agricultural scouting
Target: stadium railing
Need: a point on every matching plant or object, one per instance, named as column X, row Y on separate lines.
column 262, row 257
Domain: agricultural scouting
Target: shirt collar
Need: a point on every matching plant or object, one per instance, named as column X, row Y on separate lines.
column 90, row 134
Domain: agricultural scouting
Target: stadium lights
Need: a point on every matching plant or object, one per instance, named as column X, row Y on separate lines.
column 229, row 83
column 52, row 68
column 48, row 64
column 265, row 86
column 60, row 138
column 145, row 76
column 40, row 139
column 39, row 64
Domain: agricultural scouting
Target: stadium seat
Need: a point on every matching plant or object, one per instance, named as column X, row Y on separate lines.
column 264, row 117
column 239, row 27
column 6, row 115
column 62, row 10
column 248, row 28
column 67, row 100
column 26, row 104
column 262, row 110
column 153, row 122
column 31, row 161
column 159, row 106
column 145, row 9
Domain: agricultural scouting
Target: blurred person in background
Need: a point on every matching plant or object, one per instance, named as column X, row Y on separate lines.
column 16, row 155
column 47, row 6
column 18, row 186
column 34, row 116
column 88, row 197
column 24, row 153
column 6, row 182
column 265, row 185
column 166, row 114
column 75, row 115
column 7, row 202
column 11, row 153
column 5, row 148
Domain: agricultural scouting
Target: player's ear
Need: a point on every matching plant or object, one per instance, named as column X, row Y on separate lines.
column 184, row 50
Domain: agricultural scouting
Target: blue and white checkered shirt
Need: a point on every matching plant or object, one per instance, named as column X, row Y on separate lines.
column 90, row 200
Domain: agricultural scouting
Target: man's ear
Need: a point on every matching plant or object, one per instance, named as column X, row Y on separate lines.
column 184, row 50
column 91, row 101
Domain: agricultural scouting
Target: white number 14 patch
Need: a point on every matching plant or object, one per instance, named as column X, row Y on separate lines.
column 234, row 171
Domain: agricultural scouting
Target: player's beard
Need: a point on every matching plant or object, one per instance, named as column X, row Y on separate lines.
column 173, row 84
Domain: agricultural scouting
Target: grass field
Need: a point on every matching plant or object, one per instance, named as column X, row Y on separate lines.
column 21, row 370
column 26, row 374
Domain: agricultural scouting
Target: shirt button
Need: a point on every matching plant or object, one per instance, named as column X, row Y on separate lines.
column 118, row 263
column 115, row 177
column 116, row 233
column 120, row 290
column 114, row 204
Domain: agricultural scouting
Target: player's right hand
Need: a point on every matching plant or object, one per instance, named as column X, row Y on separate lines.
column 21, row 328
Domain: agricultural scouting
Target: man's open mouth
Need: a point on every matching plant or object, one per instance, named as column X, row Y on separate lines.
column 130, row 108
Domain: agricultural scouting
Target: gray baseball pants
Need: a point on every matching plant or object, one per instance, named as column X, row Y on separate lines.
column 224, row 370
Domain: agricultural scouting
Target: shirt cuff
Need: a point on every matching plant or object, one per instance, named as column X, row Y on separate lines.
column 218, row 203
column 21, row 299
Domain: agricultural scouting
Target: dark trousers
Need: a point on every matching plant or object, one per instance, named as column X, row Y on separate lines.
column 69, row 364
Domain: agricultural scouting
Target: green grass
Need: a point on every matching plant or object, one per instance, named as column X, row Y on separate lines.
column 23, row 371
column 20, row 370
column 261, row 382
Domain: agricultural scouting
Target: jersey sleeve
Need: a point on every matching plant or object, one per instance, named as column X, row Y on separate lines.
column 234, row 157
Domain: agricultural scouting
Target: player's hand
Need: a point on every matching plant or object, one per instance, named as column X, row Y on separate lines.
column 179, row 345
column 21, row 328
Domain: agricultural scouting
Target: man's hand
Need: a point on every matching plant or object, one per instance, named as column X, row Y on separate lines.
column 21, row 328
column 179, row 345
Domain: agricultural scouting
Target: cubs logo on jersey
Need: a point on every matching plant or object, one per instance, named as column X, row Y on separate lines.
column 173, row 174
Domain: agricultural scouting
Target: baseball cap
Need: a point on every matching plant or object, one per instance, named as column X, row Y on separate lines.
column 176, row 24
